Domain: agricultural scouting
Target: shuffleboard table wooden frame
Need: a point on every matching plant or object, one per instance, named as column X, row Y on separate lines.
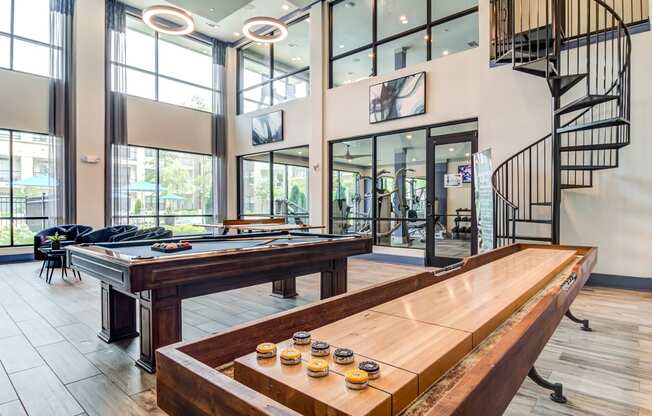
column 189, row 383
column 160, row 283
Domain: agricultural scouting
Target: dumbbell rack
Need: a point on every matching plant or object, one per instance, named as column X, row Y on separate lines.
column 462, row 232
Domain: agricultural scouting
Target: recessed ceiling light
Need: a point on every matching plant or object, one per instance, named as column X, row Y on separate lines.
column 371, row 55
column 350, row 161
column 277, row 35
column 177, row 14
column 409, row 136
column 308, row 20
column 445, row 52
column 414, row 159
column 467, row 154
column 341, row 46
column 300, row 152
column 237, row 34
column 405, row 22
column 285, row 7
column 403, row 17
column 212, row 9
column 451, row 149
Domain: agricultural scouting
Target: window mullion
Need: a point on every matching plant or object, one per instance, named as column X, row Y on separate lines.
column 11, row 37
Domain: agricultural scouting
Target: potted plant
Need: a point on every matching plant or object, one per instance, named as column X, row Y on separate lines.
column 55, row 240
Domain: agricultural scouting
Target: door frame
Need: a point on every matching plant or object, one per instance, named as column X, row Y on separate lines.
column 431, row 258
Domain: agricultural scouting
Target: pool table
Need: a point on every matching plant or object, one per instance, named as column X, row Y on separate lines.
column 132, row 271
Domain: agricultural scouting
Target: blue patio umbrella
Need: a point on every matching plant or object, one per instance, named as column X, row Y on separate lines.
column 144, row 186
column 172, row 197
column 40, row 181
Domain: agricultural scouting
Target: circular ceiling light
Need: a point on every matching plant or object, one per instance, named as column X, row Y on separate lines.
column 280, row 29
column 179, row 16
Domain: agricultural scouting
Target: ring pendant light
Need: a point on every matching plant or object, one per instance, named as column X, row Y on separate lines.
column 280, row 29
column 170, row 12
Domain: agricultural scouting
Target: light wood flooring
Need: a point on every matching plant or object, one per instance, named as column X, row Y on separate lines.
column 52, row 363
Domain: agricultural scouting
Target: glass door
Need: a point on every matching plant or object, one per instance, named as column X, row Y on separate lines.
column 450, row 227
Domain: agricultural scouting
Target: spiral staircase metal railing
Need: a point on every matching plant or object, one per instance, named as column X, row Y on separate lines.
column 582, row 48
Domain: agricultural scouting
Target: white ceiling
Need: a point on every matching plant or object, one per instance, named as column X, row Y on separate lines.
column 223, row 19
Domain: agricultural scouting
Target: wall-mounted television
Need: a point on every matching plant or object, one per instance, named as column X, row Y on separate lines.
column 466, row 172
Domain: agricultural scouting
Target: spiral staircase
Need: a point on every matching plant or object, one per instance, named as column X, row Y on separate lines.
column 582, row 48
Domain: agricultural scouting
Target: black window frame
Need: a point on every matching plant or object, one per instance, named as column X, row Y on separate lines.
column 158, row 216
column 374, row 137
column 270, row 82
column 13, row 37
column 156, row 73
column 375, row 42
column 12, row 217
column 270, row 161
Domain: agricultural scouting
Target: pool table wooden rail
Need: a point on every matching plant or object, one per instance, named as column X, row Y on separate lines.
column 222, row 270
column 188, row 384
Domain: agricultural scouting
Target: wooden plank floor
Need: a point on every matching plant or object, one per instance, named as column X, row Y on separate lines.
column 52, row 363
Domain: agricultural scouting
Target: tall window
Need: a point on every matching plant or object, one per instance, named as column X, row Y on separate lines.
column 25, row 36
column 406, row 33
column 275, row 184
column 170, row 189
column 273, row 74
column 25, row 187
column 171, row 69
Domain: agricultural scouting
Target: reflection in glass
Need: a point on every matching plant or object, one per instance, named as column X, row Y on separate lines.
column 293, row 52
column 291, row 187
column 453, row 202
column 403, row 52
column 353, row 68
column 292, row 87
column 455, row 36
column 178, row 93
column 445, row 8
column 143, row 185
column 255, row 185
column 352, row 188
column 400, row 189
column 351, row 25
column 256, row 98
column 255, row 64
column 31, row 57
column 397, row 16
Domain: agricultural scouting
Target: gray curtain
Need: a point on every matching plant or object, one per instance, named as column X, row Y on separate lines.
column 219, row 131
column 61, row 205
column 115, row 125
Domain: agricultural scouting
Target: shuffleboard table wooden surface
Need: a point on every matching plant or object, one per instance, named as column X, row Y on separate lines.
column 459, row 342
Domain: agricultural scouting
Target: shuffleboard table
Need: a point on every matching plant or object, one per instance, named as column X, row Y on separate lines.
column 137, row 281
column 458, row 342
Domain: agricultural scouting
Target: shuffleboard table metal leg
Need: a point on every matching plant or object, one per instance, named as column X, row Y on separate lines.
column 160, row 323
column 557, row 394
column 583, row 322
column 333, row 280
column 118, row 315
column 285, row 289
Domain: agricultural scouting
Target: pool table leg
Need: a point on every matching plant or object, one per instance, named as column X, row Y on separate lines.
column 333, row 280
column 286, row 288
column 160, row 323
column 118, row 315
